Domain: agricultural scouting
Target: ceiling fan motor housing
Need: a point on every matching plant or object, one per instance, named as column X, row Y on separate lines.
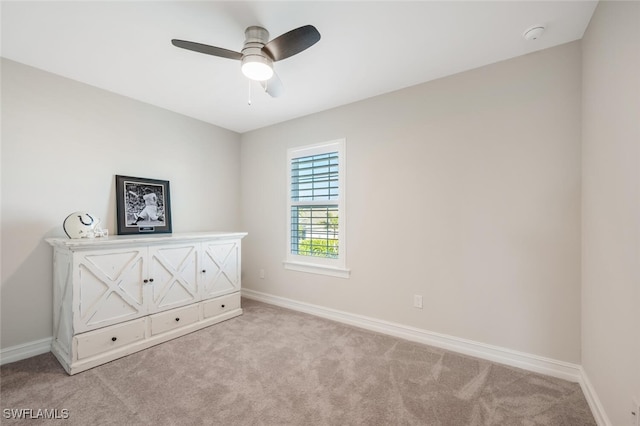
column 256, row 34
column 254, row 57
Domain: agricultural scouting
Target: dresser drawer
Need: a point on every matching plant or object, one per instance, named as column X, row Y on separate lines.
column 175, row 318
column 109, row 338
column 220, row 305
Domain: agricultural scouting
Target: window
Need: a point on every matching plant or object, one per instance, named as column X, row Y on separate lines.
column 315, row 220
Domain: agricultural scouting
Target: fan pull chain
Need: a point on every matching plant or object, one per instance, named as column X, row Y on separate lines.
column 249, row 101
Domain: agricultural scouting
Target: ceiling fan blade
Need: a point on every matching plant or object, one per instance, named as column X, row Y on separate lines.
column 205, row 48
column 273, row 86
column 292, row 42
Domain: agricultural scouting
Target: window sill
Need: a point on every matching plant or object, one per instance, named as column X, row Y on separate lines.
column 313, row 268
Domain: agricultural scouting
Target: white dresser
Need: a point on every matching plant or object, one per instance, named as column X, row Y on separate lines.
column 117, row 295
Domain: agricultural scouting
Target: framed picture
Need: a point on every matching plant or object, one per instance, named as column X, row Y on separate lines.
column 143, row 206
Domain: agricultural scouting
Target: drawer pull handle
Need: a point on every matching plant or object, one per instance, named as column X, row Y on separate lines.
column 204, row 270
column 223, row 306
column 145, row 281
column 113, row 339
column 150, row 280
column 177, row 319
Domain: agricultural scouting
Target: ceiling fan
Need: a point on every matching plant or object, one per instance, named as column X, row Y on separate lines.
column 258, row 53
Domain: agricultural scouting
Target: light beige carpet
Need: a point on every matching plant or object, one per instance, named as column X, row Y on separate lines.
column 272, row 366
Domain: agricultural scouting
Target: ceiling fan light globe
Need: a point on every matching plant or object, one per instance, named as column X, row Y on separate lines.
column 257, row 68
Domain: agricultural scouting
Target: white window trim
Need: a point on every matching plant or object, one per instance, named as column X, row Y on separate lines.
column 316, row 269
column 331, row 267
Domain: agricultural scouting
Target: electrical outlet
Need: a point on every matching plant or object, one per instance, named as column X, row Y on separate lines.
column 417, row 301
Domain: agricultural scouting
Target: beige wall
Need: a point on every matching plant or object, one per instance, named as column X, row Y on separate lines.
column 62, row 144
column 465, row 190
column 611, row 207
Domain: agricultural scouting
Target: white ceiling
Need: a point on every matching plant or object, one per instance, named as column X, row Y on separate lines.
column 367, row 48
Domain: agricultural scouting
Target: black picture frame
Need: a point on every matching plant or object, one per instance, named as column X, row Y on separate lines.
column 143, row 206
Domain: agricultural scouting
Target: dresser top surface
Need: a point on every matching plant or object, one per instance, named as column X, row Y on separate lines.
column 116, row 240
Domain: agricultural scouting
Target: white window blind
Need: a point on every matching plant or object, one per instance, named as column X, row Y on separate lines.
column 314, row 227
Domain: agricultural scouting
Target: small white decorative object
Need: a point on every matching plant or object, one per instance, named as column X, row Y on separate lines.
column 80, row 225
column 98, row 231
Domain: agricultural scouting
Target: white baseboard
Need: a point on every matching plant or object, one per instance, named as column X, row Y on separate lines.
column 25, row 350
column 529, row 362
column 592, row 399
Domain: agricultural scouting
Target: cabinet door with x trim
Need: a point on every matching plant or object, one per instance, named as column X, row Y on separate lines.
column 109, row 287
column 220, row 268
column 173, row 276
